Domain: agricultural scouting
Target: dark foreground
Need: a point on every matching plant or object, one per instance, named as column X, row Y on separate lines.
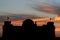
column 57, row 38
column 0, row 38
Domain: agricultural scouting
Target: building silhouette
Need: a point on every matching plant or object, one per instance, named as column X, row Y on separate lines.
column 28, row 30
column 29, row 25
column 7, row 29
column 51, row 30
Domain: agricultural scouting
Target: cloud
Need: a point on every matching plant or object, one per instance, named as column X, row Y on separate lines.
column 45, row 7
column 4, row 15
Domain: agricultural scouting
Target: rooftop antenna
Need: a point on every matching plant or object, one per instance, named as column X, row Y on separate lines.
column 8, row 18
column 50, row 18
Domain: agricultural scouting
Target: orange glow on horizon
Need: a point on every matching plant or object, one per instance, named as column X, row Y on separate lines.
column 57, row 18
column 17, row 23
column 57, row 29
column 40, row 21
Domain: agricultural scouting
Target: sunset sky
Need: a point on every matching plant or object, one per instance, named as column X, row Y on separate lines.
column 25, row 7
column 22, row 9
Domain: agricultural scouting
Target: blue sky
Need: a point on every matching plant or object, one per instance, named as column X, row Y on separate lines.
column 22, row 6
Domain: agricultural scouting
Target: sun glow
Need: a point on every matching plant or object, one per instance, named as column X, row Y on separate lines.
column 57, row 18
